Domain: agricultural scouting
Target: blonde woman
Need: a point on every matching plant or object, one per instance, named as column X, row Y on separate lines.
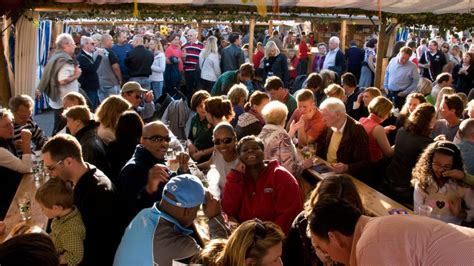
column 275, row 63
column 253, row 243
column 157, row 68
column 425, row 87
column 209, row 62
column 108, row 114
column 336, row 91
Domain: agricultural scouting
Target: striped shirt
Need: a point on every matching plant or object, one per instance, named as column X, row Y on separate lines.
column 37, row 134
column 192, row 55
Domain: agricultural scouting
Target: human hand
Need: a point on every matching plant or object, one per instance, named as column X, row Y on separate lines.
column 212, row 206
column 339, row 168
column 25, row 136
column 387, row 129
column 454, row 173
column 240, row 167
column 77, row 71
column 359, row 97
column 440, row 137
column 295, row 126
column 307, row 163
column 156, row 175
column 149, row 96
column 183, row 160
column 37, row 94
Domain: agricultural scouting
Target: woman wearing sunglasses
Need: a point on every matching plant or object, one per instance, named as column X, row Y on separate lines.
column 225, row 156
column 260, row 189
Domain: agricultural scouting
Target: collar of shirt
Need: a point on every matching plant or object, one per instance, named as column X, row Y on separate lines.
column 358, row 231
column 87, row 53
column 167, row 217
column 340, row 130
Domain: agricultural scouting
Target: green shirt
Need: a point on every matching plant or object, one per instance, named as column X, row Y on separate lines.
column 200, row 133
column 291, row 105
column 224, row 82
column 68, row 234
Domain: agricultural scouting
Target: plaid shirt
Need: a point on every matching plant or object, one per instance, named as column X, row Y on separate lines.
column 68, row 234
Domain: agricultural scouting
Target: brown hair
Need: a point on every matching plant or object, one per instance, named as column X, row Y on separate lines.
column 256, row 99
column 16, row 101
column 110, row 109
column 414, row 95
column 455, row 102
column 373, row 91
column 198, row 97
column 380, row 106
column 304, row 95
column 238, row 92
column 246, row 70
column 273, row 83
column 62, row 146
column 219, row 108
column 55, row 192
column 209, row 254
column 75, row 96
column 406, row 50
column 420, row 119
column 29, row 249
column 78, row 112
column 314, row 81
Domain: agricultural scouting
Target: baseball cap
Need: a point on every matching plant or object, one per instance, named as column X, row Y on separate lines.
column 132, row 86
column 187, row 190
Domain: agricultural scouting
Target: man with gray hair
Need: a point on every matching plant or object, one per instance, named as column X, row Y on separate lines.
column 346, row 144
column 60, row 76
column 89, row 79
column 192, row 49
column 335, row 59
column 466, row 133
column 138, row 62
column 110, row 76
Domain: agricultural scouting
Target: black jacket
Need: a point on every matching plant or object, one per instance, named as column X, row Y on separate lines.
column 232, row 58
column 297, row 248
column 118, row 153
column 277, row 66
column 355, row 57
column 464, row 83
column 93, row 148
column 89, row 79
column 350, row 102
column 340, row 64
column 9, row 181
column 138, row 62
column 99, row 203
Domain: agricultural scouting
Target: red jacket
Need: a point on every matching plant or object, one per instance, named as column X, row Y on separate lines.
column 274, row 197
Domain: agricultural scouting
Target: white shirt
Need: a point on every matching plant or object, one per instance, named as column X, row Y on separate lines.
column 10, row 161
column 330, row 59
column 65, row 72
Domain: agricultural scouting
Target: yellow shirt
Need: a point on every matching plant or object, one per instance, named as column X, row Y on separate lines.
column 336, row 137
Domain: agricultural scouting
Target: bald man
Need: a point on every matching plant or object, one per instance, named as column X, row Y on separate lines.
column 110, row 77
column 142, row 179
column 138, row 62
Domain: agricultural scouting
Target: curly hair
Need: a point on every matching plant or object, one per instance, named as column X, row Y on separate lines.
column 419, row 120
column 423, row 170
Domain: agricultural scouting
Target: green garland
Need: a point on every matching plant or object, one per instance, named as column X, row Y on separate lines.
column 233, row 13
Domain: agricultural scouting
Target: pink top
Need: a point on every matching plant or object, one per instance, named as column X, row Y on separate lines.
column 175, row 51
column 369, row 123
column 410, row 240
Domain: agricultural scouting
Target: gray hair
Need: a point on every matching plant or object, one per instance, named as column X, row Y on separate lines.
column 192, row 32
column 138, row 39
column 335, row 39
column 63, row 39
column 333, row 105
column 271, row 44
column 85, row 40
column 275, row 113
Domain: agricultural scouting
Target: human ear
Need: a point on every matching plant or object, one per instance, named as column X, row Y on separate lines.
column 250, row 262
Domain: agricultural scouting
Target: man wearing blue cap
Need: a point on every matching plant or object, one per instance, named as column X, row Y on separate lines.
column 161, row 234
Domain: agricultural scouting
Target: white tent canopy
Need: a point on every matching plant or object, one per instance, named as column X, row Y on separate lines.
column 393, row 6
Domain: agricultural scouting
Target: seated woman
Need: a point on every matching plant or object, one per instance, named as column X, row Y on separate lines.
column 297, row 248
column 336, row 91
column 11, row 167
column 83, row 128
column 251, row 122
column 359, row 108
column 410, row 142
column 128, row 133
column 435, row 188
column 277, row 142
column 238, row 95
column 200, row 144
column 413, row 100
column 253, row 243
column 259, row 189
column 69, row 100
column 107, row 115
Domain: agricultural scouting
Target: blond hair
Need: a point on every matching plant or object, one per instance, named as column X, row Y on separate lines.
column 269, row 46
column 424, row 86
column 335, row 91
column 110, row 110
column 275, row 113
column 380, row 106
column 238, row 92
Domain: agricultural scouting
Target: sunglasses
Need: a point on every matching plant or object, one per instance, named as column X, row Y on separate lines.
column 158, row 138
column 138, row 96
column 223, row 141
column 52, row 167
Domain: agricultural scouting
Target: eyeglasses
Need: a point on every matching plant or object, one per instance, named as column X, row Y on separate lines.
column 158, row 138
column 138, row 96
column 223, row 141
column 52, row 167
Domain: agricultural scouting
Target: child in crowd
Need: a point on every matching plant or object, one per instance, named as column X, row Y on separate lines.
column 435, row 187
column 56, row 199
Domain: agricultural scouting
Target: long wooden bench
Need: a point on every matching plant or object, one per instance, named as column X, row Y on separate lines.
column 27, row 185
column 375, row 202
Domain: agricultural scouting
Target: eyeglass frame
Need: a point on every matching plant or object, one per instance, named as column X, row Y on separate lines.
column 227, row 140
column 53, row 166
column 158, row 138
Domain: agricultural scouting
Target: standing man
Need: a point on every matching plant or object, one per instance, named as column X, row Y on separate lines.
column 335, row 59
column 60, row 76
column 401, row 77
column 89, row 79
column 432, row 61
column 340, row 231
column 110, row 76
column 232, row 55
column 354, row 57
column 192, row 49
column 94, row 195
column 121, row 48
column 138, row 62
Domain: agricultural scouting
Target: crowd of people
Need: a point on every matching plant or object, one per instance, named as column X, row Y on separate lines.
column 139, row 119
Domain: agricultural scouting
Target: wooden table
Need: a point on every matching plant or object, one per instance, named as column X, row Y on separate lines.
column 28, row 185
column 374, row 201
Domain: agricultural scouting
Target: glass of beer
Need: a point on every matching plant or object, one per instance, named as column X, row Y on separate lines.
column 24, row 204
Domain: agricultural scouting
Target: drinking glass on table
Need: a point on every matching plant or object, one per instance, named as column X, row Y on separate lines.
column 23, row 202
column 171, row 160
column 425, row 210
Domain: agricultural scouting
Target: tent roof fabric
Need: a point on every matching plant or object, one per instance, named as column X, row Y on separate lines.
column 391, row 6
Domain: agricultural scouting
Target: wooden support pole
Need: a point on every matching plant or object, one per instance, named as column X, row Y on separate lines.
column 199, row 30
column 251, row 37
column 381, row 51
column 270, row 27
column 343, row 34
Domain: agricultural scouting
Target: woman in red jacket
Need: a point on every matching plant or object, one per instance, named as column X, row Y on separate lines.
column 260, row 189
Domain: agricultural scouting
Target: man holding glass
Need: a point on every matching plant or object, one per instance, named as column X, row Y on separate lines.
column 142, row 179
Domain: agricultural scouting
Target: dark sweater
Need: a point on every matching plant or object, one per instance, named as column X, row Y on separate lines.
column 93, row 148
column 89, row 79
column 138, row 62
